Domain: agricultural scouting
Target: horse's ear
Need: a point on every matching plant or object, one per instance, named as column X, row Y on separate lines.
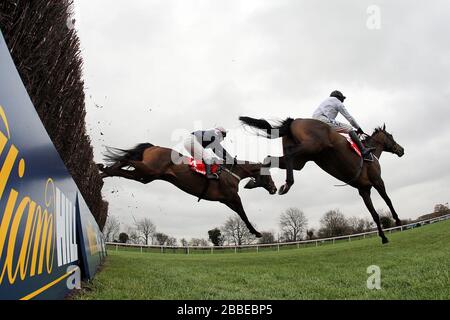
column 384, row 126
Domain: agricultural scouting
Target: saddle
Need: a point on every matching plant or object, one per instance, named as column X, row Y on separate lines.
column 351, row 143
column 199, row 167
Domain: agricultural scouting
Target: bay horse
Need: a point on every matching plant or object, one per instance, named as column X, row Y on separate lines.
column 146, row 163
column 312, row 140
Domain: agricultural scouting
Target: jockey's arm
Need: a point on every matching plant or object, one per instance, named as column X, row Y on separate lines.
column 347, row 116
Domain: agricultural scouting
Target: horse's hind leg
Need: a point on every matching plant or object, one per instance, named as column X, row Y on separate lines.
column 236, row 205
column 379, row 186
column 295, row 153
column 365, row 194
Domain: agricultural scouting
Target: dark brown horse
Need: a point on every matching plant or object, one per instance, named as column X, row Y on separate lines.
column 146, row 163
column 312, row 140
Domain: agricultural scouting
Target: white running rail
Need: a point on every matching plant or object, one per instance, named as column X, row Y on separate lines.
column 277, row 245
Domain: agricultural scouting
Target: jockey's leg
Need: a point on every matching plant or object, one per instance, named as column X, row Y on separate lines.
column 209, row 160
column 345, row 128
column 366, row 152
column 199, row 153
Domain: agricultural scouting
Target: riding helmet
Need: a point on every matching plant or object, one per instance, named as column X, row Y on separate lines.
column 221, row 129
column 337, row 94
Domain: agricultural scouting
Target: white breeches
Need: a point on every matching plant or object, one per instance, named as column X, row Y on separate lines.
column 197, row 151
column 336, row 125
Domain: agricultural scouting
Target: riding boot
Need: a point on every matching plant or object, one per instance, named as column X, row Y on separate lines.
column 209, row 174
column 366, row 152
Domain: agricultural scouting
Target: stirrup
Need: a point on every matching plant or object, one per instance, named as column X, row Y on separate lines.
column 213, row 176
column 368, row 157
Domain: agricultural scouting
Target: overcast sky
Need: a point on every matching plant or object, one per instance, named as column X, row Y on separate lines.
column 154, row 67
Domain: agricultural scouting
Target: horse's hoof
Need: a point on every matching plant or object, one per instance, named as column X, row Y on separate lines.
column 258, row 235
column 284, row 189
column 398, row 223
column 385, row 240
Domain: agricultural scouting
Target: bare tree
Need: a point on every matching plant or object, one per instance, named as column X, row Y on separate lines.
column 293, row 224
column 360, row 225
column 310, row 234
column 195, row 242
column 386, row 220
column 171, row 242
column 161, row 238
column 441, row 208
column 333, row 223
column 266, row 237
column 184, row 242
column 133, row 235
column 111, row 228
column 146, row 229
column 236, row 232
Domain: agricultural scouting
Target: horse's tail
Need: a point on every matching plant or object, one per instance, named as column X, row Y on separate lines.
column 264, row 128
column 114, row 155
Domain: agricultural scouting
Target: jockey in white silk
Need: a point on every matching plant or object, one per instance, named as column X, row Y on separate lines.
column 327, row 112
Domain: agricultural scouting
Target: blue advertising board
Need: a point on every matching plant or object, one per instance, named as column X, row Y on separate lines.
column 48, row 236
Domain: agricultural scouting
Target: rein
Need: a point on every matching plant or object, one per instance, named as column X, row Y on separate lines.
column 230, row 171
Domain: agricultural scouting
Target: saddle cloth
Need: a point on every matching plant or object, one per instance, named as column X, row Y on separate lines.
column 352, row 143
column 199, row 167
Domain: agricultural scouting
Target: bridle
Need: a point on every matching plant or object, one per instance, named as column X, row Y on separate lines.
column 235, row 175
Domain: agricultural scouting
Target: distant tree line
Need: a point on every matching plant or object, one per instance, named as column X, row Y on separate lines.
column 47, row 54
column 293, row 226
column 143, row 231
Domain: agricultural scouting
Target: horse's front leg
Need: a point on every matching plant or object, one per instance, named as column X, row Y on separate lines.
column 235, row 204
column 379, row 186
column 365, row 194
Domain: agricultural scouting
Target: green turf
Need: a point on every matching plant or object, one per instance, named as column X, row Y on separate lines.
column 414, row 265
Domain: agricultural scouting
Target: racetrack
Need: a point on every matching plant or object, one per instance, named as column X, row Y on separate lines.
column 414, row 265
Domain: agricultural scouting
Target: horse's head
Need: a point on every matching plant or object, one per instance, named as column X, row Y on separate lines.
column 262, row 180
column 386, row 140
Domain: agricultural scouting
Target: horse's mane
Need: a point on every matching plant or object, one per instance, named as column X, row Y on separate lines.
column 367, row 139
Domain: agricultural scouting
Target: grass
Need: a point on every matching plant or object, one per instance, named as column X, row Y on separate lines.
column 414, row 265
